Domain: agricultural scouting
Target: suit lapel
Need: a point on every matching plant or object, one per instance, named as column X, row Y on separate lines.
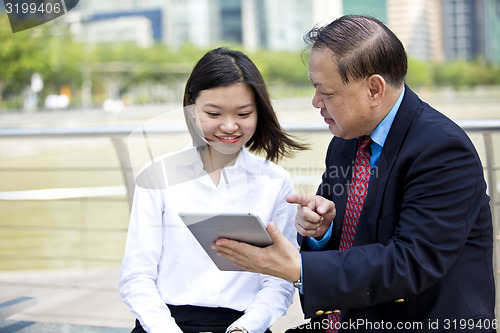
column 366, row 231
column 345, row 156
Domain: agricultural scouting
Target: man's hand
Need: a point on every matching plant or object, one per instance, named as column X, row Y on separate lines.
column 314, row 214
column 281, row 259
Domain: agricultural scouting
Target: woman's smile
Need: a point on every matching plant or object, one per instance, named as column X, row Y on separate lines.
column 228, row 139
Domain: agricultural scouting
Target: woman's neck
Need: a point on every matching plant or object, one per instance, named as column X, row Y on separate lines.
column 214, row 161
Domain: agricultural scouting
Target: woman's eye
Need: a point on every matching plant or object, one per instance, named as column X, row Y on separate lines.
column 244, row 114
column 212, row 114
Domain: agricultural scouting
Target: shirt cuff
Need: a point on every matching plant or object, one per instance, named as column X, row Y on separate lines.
column 252, row 322
column 317, row 245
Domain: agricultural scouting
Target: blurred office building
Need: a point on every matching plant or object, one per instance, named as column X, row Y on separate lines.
column 492, row 30
column 435, row 30
column 270, row 24
column 137, row 21
column 439, row 30
column 375, row 8
column 471, row 29
column 418, row 24
column 447, row 30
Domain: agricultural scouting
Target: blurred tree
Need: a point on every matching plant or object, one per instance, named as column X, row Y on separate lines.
column 22, row 54
column 158, row 73
column 286, row 68
column 462, row 73
column 65, row 71
column 420, row 74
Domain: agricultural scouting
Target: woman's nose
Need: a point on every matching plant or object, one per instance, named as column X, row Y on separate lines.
column 229, row 125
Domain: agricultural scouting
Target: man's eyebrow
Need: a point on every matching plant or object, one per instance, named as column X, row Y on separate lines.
column 315, row 84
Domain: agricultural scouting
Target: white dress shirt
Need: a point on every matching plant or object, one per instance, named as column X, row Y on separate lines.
column 164, row 263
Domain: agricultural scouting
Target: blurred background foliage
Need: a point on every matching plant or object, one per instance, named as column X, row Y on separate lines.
column 145, row 75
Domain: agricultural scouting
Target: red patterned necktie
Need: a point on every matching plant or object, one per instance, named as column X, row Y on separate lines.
column 355, row 201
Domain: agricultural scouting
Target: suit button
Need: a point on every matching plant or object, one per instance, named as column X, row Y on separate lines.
column 319, row 312
column 401, row 300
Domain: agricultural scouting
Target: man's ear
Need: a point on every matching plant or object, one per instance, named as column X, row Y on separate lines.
column 377, row 87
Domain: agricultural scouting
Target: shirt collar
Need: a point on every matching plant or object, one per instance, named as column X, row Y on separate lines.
column 380, row 133
column 192, row 157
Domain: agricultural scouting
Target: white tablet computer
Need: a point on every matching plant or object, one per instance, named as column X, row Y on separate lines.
column 244, row 227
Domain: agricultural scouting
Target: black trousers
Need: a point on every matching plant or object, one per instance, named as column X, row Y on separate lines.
column 195, row 319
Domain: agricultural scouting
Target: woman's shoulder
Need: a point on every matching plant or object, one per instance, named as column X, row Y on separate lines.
column 171, row 164
column 259, row 164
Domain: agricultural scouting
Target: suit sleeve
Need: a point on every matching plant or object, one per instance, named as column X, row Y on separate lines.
column 439, row 188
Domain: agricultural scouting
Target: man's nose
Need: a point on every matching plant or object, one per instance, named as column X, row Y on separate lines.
column 317, row 102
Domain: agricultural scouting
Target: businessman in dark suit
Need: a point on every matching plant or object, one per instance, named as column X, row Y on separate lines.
column 399, row 236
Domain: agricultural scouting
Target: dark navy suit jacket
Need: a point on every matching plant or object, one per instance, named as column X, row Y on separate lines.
column 422, row 252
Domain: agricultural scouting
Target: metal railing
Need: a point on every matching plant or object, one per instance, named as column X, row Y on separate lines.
column 118, row 134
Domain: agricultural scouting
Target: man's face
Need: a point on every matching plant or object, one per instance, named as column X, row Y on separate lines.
column 345, row 107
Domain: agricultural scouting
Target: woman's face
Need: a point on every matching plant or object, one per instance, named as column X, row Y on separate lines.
column 228, row 116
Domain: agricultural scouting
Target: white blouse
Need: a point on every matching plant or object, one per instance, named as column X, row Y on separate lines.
column 164, row 263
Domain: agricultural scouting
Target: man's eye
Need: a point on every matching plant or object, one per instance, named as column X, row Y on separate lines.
column 327, row 95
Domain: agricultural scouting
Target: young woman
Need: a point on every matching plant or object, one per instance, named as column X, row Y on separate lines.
column 167, row 279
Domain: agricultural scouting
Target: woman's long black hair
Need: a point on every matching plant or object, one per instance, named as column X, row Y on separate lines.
column 223, row 67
